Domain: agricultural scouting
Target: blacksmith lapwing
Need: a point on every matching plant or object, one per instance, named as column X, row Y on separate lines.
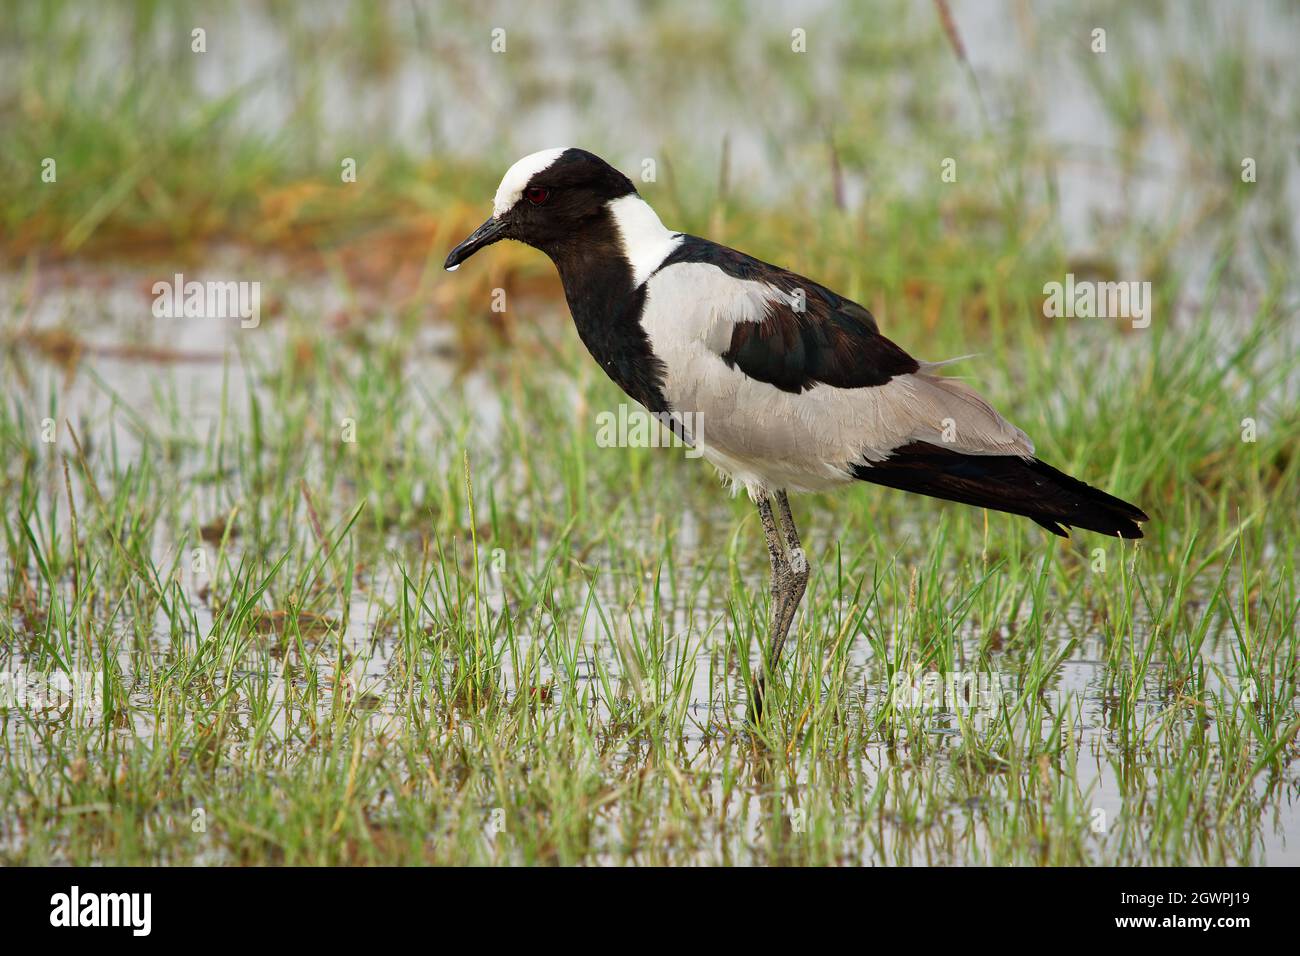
column 779, row 382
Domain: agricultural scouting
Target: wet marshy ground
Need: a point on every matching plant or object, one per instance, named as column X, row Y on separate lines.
column 359, row 583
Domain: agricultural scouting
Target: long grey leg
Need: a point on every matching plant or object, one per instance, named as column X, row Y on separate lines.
column 795, row 577
column 776, row 552
column 789, row 580
column 775, row 549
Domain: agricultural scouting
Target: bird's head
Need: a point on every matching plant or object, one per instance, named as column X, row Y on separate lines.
column 549, row 200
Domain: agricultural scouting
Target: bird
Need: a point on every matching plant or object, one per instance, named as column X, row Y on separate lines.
column 783, row 385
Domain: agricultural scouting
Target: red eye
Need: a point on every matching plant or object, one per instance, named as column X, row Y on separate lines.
column 536, row 194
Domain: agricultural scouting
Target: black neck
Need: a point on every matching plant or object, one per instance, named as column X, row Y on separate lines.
column 606, row 309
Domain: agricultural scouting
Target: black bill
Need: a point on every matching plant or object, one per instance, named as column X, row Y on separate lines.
column 486, row 234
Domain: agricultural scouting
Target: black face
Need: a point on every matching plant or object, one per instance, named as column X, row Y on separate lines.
column 561, row 207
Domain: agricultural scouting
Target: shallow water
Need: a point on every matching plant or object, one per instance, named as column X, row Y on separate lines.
column 228, row 361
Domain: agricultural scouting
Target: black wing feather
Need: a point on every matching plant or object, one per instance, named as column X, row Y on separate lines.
column 1018, row 486
column 832, row 341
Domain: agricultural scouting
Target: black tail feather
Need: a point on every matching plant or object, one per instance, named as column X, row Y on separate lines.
column 1018, row 486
